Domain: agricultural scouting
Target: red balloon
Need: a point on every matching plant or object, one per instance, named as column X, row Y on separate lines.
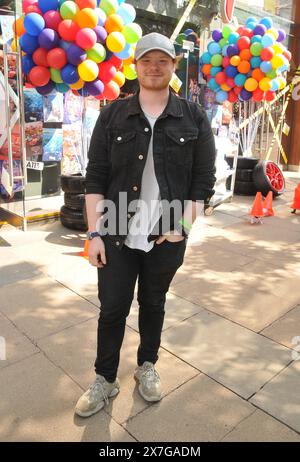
column 52, row 19
column 115, row 61
column 243, row 43
column 68, row 30
column 237, row 90
column 240, row 30
column 287, row 54
column 221, row 77
column 111, row 91
column 226, row 61
column 247, row 32
column 86, row 4
column 57, row 58
column 40, row 57
column 33, row 9
column 258, row 95
column 75, row 92
column 86, row 38
column 39, row 76
column 267, row 54
column 106, row 72
column 232, row 97
column 230, row 82
column 270, row 95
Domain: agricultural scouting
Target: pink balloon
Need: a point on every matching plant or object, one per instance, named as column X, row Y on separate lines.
column 52, row 19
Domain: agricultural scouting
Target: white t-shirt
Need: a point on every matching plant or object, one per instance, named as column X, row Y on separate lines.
column 148, row 208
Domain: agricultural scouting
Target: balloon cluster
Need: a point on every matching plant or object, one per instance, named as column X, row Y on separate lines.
column 247, row 63
column 83, row 45
column 189, row 35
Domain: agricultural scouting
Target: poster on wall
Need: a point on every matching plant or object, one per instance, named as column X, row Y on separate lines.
column 33, row 106
column 54, row 108
column 72, row 161
column 52, row 144
column 34, row 140
column 5, row 187
column 73, row 107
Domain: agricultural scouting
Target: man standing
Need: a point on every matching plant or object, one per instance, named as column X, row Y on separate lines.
column 152, row 157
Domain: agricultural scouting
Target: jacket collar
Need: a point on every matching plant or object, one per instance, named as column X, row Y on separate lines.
column 173, row 107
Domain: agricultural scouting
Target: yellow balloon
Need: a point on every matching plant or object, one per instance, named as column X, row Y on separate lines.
column 14, row 44
column 282, row 83
column 116, row 42
column 265, row 84
column 225, row 87
column 77, row 85
column 273, row 32
column 277, row 61
column 130, row 72
column 88, row 70
column 119, row 78
column 278, row 48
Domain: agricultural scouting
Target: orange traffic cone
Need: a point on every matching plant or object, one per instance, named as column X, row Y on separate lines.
column 257, row 209
column 296, row 202
column 85, row 252
column 267, row 205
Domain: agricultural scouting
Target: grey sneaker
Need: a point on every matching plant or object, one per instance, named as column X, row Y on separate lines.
column 94, row 399
column 149, row 382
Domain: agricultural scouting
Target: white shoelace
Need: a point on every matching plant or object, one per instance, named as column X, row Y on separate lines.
column 96, row 387
column 150, row 373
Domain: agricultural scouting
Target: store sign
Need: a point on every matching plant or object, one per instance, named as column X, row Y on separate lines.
column 35, row 165
column 227, row 10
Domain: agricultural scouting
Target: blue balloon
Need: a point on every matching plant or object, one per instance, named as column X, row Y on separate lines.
column 267, row 41
column 213, row 85
column 47, row 5
column 214, row 70
column 240, row 79
column 255, row 62
column 125, row 53
column 231, row 71
column 251, row 19
column 252, row 25
column 64, row 44
column 268, row 22
column 188, row 31
column 232, row 50
column 127, row 13
column 62, row 87
column 233, row 38
column 214, row 48
column 256, row 39
column 206, row 58
column 245, row 95
column 266, row 66
column 224, row 51
column 29, row 43
column 69, row 74
column 34, row 23
column 221, row 96
column 275, row 85
column 27, row 64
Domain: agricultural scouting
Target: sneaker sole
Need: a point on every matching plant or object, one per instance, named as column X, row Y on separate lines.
column 113, row 393
column 146, row 398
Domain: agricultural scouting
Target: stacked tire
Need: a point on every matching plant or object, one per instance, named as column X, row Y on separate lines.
column 73, row 213
column 253, row 175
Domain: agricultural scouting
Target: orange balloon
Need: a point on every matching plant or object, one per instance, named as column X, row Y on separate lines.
column 225, row 87
column 244, row 67
column 257, row 74
column 18, row 26
column 128, row 61
column 245, row 55
column 235, row 60
column 251, row 84
column 113, row 23
column 206, row 69
column 119, row 78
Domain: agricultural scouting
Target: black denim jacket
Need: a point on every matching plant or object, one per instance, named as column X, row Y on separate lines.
column 183, row 153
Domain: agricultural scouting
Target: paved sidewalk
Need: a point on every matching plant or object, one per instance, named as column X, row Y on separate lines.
column 228, row 363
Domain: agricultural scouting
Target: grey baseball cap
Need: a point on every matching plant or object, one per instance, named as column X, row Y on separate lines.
column 154, row 41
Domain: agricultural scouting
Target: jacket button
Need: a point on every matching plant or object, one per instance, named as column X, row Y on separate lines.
column 117, row 243
column 129, row 215
column 135, row 188
column 141, row 157
column 146, row 129
column 182, row 140
column 119, row 138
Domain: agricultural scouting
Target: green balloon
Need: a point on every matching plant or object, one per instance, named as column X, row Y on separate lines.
column 272, row 75
column 132, row 32
column 68, row 10
column 97, row 53
column 109, row 6
column 227, row 30
column 180, row 39
column 256, row 49
column 55, row 75
column 223, row 42
column 129, row 72
column 216, row 60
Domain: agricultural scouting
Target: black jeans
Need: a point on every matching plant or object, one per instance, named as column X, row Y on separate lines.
column 116, row 282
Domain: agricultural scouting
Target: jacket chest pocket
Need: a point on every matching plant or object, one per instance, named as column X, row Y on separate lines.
column 123, row 143
column 180, row 145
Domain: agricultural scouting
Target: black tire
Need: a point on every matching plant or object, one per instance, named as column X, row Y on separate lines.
column 263, row 183
column 242, row 162
column 74, row 184
column 244, row 174
column 242, row 188
column 74, row 201
column 72, row 219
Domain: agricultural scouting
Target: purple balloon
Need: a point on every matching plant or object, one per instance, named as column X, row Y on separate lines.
column 46, row 89
column 101, row 34
column 94, row 88
column 217, row 35
column 281, row 35
column 76, row 55
column 245, row 95
column 260, row 29
column 232, row 50
column 48, row 39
